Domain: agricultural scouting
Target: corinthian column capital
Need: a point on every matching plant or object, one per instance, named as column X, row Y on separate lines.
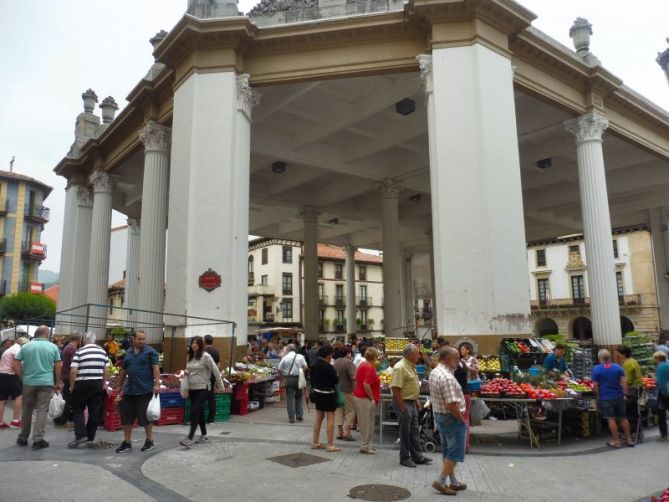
column 155, row 137
column 425, row 65
column 389, row 189
column 310, row 214
column 103, row 182
column 247, row 98
column 588, row 127
column 84, row 197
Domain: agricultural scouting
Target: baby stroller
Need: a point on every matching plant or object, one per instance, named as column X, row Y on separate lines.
column 429, row 435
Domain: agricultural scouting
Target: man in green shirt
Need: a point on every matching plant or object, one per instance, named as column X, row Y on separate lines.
column 634, row 385
column 405, row 387
column 40, row 370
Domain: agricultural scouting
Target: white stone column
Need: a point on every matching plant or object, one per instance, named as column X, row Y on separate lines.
column 657, row 233
column 433, row 285
column 392, row 275
column 477, row 207
column 66, row 274
column 81, row 240
column 349, row 267
column 409, row 319
column 208, row 210
column 156, row 140
column 310, row 215
column 588, row 130
column 98, row 264
column 132, row 272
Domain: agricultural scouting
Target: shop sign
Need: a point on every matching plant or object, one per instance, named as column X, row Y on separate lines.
column 209, row 280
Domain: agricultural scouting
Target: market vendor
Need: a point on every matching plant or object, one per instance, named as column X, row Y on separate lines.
column 556, row 361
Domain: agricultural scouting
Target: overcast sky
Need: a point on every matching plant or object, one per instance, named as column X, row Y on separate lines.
column 51, row 51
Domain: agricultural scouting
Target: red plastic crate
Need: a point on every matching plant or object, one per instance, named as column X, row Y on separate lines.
column 112, row 421
column 171, row 416
column 239, row 406
column 242, row 391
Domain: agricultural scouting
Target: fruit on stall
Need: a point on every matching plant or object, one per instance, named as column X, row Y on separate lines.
column 490, row 364
column 502, row 386
column 396, row 344
column 648, row 383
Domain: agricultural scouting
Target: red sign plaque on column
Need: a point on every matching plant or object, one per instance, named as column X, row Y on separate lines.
column 209, row 280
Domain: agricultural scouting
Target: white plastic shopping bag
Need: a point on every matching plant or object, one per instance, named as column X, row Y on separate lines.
column 56, row 405
column 153, row 410
column 302, row 380
column 183, row 387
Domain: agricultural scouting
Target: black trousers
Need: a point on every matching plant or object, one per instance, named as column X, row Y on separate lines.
column 87, row 394
column 198, row 398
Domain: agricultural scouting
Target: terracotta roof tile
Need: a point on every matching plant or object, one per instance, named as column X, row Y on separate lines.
column 117, row 285
column 52, row 292
column 23, row 177
column 328, row 251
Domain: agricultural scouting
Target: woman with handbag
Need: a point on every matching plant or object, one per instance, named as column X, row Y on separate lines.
column 292, row 368
column 324, row 391
column 200, row 367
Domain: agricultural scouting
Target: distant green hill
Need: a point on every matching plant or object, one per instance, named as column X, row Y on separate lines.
column 47, row 277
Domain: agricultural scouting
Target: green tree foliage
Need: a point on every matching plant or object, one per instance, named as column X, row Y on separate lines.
column 23, row 306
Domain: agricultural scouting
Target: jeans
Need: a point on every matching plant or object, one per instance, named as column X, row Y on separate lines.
column 211, row 398
column 661, row 413
column 198, row 399
column 293, row 399
column 35, row 398
column 409, row 432
column 87, row 394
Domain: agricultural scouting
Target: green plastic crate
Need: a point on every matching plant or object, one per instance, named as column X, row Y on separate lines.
column 222, row 409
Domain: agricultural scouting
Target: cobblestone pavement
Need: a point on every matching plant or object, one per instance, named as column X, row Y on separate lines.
column 235, row 466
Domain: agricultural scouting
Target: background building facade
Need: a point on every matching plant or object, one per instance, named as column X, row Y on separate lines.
column 22, row 219
column 560, row 287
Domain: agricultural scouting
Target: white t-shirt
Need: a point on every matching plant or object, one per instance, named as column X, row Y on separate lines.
column 287, row 361
column 358, row 359
column 8, row 358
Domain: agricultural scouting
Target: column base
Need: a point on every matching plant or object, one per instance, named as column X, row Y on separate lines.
column 175, row 349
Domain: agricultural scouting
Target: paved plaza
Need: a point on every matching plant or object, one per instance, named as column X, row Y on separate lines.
column 235, row 466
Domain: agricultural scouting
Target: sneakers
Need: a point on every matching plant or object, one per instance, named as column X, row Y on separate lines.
column 424, row 461
column 187, row 443
column 408, row 463
column 202, row 439
column 77, row 442
column 3, row 425
column 38, row 445
column 148, row 445
column 22, row 442
column 15, row 424
column 125, row 446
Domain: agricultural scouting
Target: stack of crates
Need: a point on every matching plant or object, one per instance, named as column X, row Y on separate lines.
column 112, row 420
column 223, row 401
column 261, row 392
column 171, row 408
column 240, row 403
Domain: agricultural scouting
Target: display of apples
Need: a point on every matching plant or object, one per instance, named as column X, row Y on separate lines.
column 502, row 386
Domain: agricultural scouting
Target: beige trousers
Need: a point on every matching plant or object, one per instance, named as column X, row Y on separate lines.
column 346, row 415
column 366, row 415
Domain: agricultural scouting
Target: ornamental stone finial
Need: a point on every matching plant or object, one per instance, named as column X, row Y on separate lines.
column 663, row 60
column 108, row 107
column 588, row 127
column 580, row 33
column 90, row 98
column 310, row 214
column 425, row 65
column 247, row 98
column 102, row 181
column 155, row 136
column 157, row 38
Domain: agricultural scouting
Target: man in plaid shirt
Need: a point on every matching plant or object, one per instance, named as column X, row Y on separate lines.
column 448, row 405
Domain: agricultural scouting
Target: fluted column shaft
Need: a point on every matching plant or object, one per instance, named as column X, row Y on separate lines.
column 156, row 139
column 310, row 215
column 349, row 265
column 66, row 277
column 588, row 130
column 433, row 285
column 98, row 264
column 409, row 318
column 392, row 276
column 81, row 237
column 132, row 272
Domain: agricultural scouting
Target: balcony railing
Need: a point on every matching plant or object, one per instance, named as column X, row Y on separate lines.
column 340, row 300
column 625, row 300
column 33, row 250
column 268, row 318
column 364, row 301
column 340, row 328
column 251, row 279
column 322, row 300
column 3, row 246
column 37, row 213
column 4, row 206
column 363, row 328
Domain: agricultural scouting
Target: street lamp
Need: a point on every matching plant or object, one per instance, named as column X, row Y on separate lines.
column 663, row 61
